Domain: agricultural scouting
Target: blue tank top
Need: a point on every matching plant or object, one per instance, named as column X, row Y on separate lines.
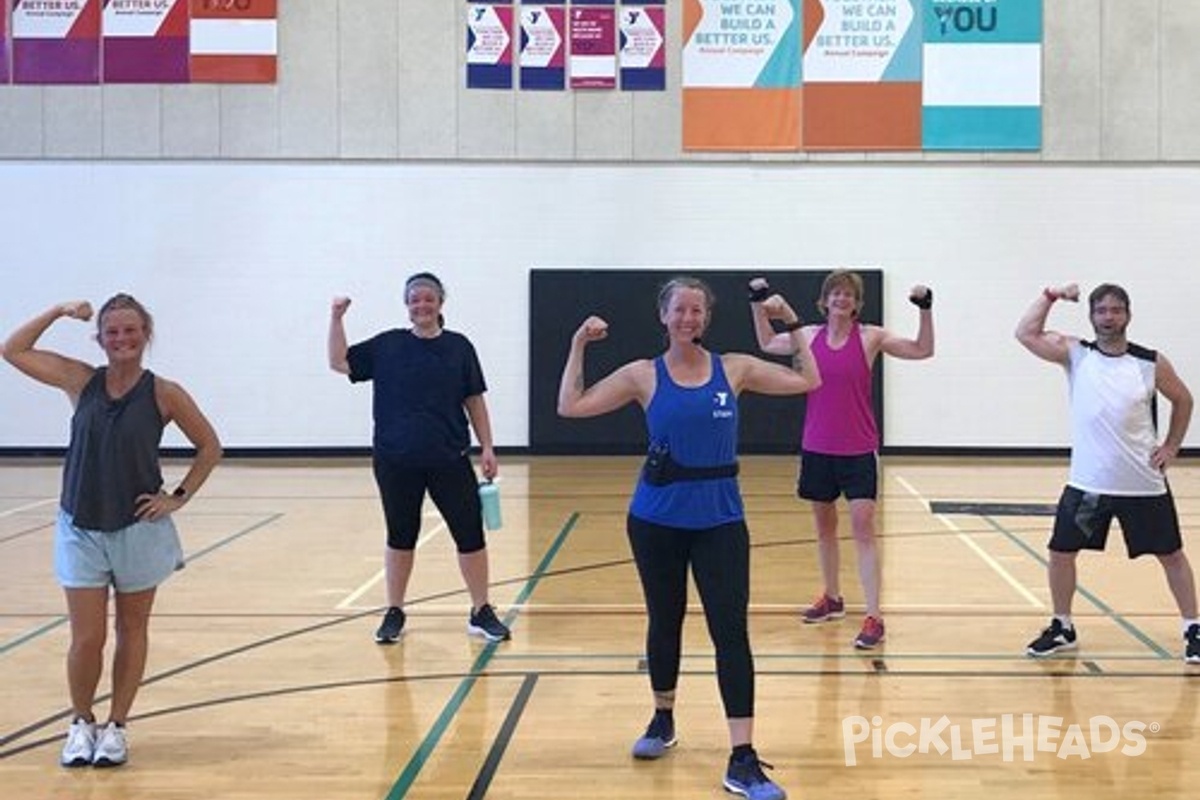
column 698, row 425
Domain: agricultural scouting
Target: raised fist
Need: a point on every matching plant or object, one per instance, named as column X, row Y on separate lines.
column 593, row 329
column 77, row 309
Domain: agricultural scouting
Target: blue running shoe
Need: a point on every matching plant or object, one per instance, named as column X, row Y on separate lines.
column 745, row 777
column 658, row 738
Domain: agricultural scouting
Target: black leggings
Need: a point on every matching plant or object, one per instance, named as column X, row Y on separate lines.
column 454, row 490
column 720, row 562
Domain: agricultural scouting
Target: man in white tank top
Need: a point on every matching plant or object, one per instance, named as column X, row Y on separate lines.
column 1117, row 465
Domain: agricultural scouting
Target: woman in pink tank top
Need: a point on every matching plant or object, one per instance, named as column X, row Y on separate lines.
column 838, row 454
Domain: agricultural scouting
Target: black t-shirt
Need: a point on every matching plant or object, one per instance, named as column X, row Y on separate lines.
column 419, row 389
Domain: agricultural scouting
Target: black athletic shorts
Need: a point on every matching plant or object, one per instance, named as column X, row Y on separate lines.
column 823, row 478
column 1149, row 522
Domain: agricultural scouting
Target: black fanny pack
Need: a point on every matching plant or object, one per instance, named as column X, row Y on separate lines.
column 660, row 469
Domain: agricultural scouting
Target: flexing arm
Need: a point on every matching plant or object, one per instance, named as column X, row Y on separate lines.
column 178, row 406
column 747, row 373
column 1031, row 330
column 610, row 393
column 764, row 308
column 922, row 346
column 1167, row 381
column 481, row 422
column 337, row 336
column 53, row 369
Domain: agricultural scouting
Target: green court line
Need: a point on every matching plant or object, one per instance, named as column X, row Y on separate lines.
column 1107, row 610
column 232, row 537
column 413, row 768
column 54, row 623
column 33, row 634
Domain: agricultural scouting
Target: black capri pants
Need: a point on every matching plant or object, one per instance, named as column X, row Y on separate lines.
column 720, row 563
column 453, row 489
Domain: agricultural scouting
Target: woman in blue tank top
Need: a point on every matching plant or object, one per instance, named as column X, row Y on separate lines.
column 686, row 512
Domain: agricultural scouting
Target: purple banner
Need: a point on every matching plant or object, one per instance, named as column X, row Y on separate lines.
column 56, row 42
column 4, row 46
column 146, row 44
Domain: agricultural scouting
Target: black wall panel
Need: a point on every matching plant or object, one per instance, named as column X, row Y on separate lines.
column 561, row 299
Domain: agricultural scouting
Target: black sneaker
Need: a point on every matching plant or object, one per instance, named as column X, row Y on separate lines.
column 392, row 625
column 1053, row 639
column 745, row 777
column 1191, row 653
column 485, row 623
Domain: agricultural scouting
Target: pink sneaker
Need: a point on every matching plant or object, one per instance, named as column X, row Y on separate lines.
column 870, row 635
column 825, row 608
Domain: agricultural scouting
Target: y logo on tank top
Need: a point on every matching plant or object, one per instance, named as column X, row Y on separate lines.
column 721, row 401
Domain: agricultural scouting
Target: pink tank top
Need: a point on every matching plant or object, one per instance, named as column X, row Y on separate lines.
column 838, row 419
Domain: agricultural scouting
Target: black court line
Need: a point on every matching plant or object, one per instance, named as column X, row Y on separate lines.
column 7, row 738
column 488, row 770
column 54, row 623
column 524, row 674
column 1093, row 667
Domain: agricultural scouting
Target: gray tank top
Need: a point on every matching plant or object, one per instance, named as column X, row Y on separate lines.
column 113, row 455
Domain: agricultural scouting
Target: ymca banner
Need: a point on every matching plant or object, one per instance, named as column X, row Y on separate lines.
column 983, row 76
column 741, row 75
column 643, row 56
column 543, row 57
column 489, row 46
column 862, row 74
column 593, row 32
column 56, row 41
column 234, row 41
column 146, row 42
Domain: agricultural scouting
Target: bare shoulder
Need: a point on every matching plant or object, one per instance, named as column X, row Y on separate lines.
column 739, row 365
column 873, row 333
column 171, row 396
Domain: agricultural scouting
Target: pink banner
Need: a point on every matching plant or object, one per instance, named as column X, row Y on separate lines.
column 593, row 48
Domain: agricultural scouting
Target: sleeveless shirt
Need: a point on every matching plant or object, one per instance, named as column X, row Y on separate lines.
column 698, row 425
column 113, row 454
column 1112, row 421
column 838, row 418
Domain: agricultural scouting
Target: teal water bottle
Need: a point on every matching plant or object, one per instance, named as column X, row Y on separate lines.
column 489, row 499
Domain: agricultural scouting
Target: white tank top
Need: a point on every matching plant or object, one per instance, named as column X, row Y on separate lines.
column 1113, row 430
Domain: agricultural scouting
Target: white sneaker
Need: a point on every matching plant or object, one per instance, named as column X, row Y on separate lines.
column 111, row 749
column 81, row 744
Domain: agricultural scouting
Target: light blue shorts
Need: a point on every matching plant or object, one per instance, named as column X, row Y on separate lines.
column 132, row 559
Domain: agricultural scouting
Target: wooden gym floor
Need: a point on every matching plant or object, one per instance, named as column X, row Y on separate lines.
column 264, row 681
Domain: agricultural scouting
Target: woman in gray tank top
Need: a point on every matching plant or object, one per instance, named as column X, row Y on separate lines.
column 114, row 525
